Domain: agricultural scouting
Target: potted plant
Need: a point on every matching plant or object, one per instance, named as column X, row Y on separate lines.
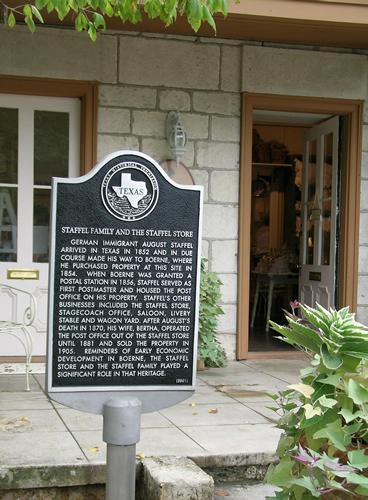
column 210, row 351
column 323, row 449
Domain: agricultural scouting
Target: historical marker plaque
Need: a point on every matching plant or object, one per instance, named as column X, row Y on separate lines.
column 124, row 279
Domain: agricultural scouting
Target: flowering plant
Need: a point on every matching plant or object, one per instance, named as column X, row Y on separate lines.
column 323, row 449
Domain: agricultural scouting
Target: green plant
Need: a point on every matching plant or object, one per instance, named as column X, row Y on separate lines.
column 91, row 15
column 323, row 449
column 209, row 348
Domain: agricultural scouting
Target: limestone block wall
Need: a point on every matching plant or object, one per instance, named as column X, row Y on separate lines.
column 201, row 80
column 144, row 76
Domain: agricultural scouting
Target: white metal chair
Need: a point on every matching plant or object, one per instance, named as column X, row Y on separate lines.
column 20, row 328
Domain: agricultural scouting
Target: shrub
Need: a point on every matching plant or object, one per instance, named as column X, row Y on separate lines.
column 209, row 348
column 323, row 449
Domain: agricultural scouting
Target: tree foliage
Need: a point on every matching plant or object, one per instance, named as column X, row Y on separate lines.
column 91, row 15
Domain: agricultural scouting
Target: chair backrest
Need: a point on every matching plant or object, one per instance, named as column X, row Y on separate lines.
column 28, row 313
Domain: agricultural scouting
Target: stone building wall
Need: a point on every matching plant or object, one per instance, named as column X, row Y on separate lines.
column 144, row 76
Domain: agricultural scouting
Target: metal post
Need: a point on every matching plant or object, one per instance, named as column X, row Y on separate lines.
column 121, row 432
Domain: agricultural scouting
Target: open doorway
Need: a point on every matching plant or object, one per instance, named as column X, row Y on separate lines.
column 277, row 238
column 290, row 228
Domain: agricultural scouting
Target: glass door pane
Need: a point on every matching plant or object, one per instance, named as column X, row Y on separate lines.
column 327, row 199
column 311, row 193
column 51, row 159
column 8, row 184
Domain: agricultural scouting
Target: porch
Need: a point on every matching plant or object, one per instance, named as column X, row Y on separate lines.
column 226, row 425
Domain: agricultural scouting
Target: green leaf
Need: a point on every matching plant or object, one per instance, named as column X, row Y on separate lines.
column 332, row 362
column 307, row 483
column 306, row 390
column 349, row 416
column 362, row 490
column 81, row 22
column 335, row 434
column 311, row 412
column 11, row 20
column 37, row 13
column 312, row 337
column 27, row 10
column 327, row 402
column 309, row 370
column 280, row 474
column 358, row 459
column 92, row 32
column 109, row 11
column 30, row 23
column 357, row 393
column 207, row 16
column 331, row 380
column 285, row 443
column 40, row 4
column 358, row 479
column 99, row 21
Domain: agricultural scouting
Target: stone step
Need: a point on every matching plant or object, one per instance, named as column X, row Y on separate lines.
column 243, row 491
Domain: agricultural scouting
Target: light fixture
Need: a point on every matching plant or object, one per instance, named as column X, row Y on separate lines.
column 175, row 135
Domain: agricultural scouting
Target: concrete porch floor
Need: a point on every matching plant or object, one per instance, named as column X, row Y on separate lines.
column 226, row 422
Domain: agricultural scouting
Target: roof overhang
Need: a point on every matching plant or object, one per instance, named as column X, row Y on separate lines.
column 335, row 23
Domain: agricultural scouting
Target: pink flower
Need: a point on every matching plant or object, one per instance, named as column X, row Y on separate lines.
column 294, row 304
column 304, row 457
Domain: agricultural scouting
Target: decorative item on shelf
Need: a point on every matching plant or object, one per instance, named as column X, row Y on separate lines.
column 260, row 187
column 175, row 135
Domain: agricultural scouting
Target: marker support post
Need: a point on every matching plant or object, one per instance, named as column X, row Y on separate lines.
column 121, row 432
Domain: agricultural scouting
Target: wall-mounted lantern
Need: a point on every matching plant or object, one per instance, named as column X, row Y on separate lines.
column 175, row 135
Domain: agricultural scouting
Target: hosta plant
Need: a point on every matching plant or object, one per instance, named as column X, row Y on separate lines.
column 323, row 449
column 209, row 348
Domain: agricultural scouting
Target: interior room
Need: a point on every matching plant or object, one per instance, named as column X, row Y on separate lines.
column 276, row 221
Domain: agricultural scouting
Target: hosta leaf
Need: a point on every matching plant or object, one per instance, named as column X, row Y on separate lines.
column 312, row 340
column 331, row 361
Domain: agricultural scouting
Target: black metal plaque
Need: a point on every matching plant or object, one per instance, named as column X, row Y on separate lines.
column 315, row 276
column 124, row 279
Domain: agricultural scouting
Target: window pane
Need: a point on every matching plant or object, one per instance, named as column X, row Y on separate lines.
column 8, row 224
column 41, row 218
column 51, row 146
column 312, row 170
column 327, row 201
column 9, row 145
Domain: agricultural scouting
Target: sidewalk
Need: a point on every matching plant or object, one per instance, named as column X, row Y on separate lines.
column 226, row 422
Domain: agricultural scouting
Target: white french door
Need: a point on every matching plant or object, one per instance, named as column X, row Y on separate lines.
column 319, row 213
column 39, row 139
